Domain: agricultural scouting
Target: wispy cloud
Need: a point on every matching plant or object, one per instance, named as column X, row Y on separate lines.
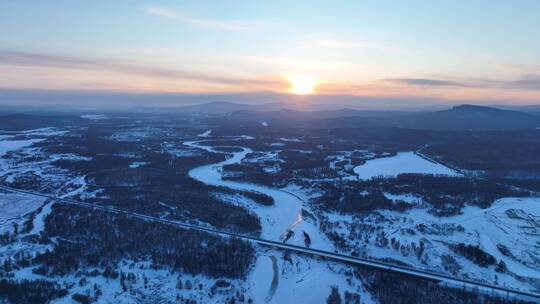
column 228, row 25
column 525, row 82
column 20, row 58
column 426, row 82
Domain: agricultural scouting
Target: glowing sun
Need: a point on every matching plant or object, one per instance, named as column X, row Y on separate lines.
column 302, row 84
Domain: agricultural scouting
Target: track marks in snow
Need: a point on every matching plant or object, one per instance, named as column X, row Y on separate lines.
column 275, row 279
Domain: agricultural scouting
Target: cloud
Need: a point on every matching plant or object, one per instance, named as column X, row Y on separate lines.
column 231, row 25
column 427, row 82
column 20, row 58
column 525, row 82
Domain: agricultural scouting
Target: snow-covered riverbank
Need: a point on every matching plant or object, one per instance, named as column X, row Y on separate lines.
column 276, row 220
column 274, row 279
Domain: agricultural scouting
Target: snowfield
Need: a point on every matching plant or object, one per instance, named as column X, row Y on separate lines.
column 15, row 166
column 509, row 230
column 14, row 206
column 403, row 162
column 14, row 145
column 298, row 279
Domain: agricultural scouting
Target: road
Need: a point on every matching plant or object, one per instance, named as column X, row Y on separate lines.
column 422, row 274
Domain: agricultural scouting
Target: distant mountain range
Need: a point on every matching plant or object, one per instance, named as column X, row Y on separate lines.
column 471, row 117
column 458, row 118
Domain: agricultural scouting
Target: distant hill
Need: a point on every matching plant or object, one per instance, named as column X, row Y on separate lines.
column 217, row 107
column 224, row 107
column 288, row 114
column 471, row 117
column 535, row 108
column 458, row 118
column 17, row 122
column 291, row 107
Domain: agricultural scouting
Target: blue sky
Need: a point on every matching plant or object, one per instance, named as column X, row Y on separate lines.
column 452, row 50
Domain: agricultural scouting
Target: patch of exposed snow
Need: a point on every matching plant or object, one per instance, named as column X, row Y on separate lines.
column 14, row 206
column 408, row 198
column 39, row 220
column 290, row 139
column 205, row 134
column 403, row 162
column 14, row 145
column 300, row 279
column 134, row 165
column 94, row 116
column 73, row 188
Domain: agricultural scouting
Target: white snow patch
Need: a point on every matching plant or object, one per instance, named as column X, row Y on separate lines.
column 408, row 198
column 39, row 220
column 290, row 139
column 14, row 145
column 205, row 134
column 300, row 280
column 15, row 206
column 403, row 162
column 94, row 116
column 134, row 165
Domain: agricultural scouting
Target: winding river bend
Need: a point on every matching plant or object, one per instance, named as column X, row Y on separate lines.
column 276, row 220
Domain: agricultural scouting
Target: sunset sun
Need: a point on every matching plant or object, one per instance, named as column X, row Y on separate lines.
column 302, row 84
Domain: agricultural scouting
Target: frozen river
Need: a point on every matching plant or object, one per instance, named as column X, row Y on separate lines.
column 268, row 281
column 284, row 215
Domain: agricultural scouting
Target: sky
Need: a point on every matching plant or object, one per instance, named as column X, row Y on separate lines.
column 449, row 51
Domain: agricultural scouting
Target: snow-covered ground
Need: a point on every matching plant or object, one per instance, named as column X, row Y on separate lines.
column 403, row 162
column 274, row 278
column 39, row 219
column 134, row 134
column 408, row 198
column 276, row 220
column 94, row 116
column 205, row 133
column 28, row 161
column 14, row 206
column 134, row 165
column 286, row 139
column 153, row 285
column 13, row 145
column 297, row 279
column 9, row 141
column 509, row 230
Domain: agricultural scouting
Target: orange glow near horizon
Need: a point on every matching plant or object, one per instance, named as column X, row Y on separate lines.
column 300, row 84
